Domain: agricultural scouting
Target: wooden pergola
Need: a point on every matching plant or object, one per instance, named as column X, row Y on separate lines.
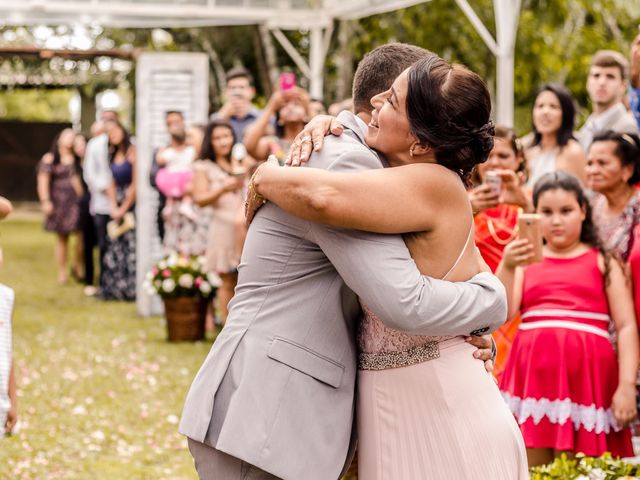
column 316, row 16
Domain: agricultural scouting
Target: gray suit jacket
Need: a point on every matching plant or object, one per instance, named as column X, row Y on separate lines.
column 277, row 388
column 616, row 119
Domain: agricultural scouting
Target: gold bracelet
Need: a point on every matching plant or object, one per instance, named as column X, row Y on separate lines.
column 252, row 189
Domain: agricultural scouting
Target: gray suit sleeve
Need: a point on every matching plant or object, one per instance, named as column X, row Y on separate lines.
column 379, row 269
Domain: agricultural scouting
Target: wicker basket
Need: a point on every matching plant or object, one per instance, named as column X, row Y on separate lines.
column 185, row 318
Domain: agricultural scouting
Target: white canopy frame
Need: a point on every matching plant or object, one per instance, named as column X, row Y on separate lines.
column 317, row 16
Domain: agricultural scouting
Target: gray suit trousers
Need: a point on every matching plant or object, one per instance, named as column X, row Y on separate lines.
column 212, row 464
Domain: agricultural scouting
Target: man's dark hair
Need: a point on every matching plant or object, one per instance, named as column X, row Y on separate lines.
column 379, row 68
column 173, row 112
column 239, row 72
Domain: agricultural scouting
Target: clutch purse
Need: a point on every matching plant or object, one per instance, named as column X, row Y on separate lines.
column 116, row 229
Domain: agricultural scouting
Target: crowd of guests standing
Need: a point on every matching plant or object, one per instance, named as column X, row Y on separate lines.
column 568, row 376
column 87, row 189
column 568, row 355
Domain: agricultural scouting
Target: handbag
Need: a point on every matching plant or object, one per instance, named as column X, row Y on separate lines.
column 116, row 228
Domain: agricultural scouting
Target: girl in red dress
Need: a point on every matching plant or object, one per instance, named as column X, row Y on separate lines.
column 562, row 381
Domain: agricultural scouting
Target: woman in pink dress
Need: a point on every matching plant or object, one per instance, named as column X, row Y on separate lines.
column 562, row 381
column 426, row 408
column 216, row 183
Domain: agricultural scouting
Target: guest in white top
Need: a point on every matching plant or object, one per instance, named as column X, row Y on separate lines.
column 553, row 146
column 607, row 85
column 97, row 175
column 8, row 406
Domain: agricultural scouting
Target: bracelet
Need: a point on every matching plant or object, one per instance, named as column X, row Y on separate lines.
column 252, row 189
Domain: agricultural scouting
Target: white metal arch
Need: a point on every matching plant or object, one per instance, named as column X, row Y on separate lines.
column 315, row 15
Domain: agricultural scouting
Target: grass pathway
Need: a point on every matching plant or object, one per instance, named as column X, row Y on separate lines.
column 100, row 390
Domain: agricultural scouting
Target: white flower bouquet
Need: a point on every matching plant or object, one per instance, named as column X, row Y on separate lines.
column 179, row 275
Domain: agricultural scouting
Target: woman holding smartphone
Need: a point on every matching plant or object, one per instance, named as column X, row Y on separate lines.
column 497, row 199
column 290, row 107
column 562, row 381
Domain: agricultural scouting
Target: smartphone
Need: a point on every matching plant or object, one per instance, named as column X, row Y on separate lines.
column 529, row 227
column 494, row 181
column 287, row 81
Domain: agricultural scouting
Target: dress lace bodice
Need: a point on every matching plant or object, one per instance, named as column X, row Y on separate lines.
column 375, row 337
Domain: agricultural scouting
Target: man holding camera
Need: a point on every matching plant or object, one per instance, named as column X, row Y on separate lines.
column 238, row 109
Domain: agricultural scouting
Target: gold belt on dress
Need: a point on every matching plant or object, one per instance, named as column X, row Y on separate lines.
column 403, row 358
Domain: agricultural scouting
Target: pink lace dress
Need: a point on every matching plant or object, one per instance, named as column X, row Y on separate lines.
column 428, row 410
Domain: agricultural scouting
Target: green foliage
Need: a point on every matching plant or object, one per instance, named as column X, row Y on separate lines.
column 555, row 42
column 585, row 468
column 35, row 105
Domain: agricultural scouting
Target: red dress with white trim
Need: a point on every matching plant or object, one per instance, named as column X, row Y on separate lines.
column 562, row 371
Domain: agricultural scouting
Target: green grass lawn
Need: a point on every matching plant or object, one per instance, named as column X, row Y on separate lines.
column 100, row 390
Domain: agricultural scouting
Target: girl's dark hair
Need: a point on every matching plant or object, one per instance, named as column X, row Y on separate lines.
column 54, row 150
column 448, row 107
column 627, row 150
column 560, row 180
column 124, row 145
column 207, row 152
column 568, row 107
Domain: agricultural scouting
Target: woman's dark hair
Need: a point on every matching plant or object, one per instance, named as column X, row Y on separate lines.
column 448, row 107
column 123, row 146
column 560, row 180
column 568, row 108
column 627, row 150
column 54, row 150
column 207, row 152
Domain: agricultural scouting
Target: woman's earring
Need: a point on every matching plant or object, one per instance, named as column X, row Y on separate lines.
column 411, row 150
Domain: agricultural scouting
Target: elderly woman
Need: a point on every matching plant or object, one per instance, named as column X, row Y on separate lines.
column 613, row 168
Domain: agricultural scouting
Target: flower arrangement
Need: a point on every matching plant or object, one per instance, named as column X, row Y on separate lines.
column 586, row 468
column 178, row 275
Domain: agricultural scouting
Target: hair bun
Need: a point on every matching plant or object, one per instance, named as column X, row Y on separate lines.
column 485, row 137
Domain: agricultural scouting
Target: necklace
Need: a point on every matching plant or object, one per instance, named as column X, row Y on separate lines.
column 494, row 234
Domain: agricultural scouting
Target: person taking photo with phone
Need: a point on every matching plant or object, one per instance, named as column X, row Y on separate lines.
column 290, row 107
column 563, row 382
column 498, row 198
column 237, row 108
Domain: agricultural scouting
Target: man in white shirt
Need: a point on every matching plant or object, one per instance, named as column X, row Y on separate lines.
column 97, row 175
column 607, row 85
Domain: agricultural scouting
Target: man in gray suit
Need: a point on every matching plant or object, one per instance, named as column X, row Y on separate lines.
column 275, row 396
column 607, row 85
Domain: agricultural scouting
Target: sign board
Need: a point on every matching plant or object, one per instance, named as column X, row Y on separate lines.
column 164, row 82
